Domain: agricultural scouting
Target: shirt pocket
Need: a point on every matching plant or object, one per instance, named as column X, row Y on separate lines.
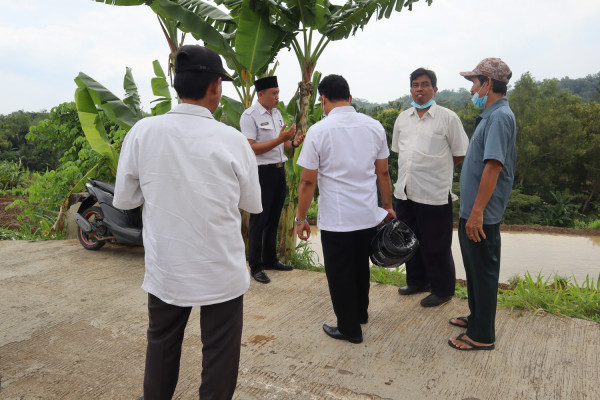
column 265, row 131
column 432, row 143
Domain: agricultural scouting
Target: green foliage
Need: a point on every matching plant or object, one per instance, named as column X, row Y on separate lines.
column 387, row 119
column 563, row 211
column 555, row 295
column 586, row 88
column 304, row 257
column 313, row 209
column 11, row 174
column 14, row 146
column 523, row 209
column 388, row 276
column 41, row 200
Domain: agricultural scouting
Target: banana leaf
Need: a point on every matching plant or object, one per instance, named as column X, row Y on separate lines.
column 233, row 109
column 160, row 88
column 93, row 128
column 116, row 110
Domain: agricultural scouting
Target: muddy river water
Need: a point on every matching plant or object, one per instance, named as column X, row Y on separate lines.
column 536, row 253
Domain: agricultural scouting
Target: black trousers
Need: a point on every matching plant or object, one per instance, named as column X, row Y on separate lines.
column 482, row 267
column 346, row 257
column 221, row 333
column 433, row 263
column 262, row 233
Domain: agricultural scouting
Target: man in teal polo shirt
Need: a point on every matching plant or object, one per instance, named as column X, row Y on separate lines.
column 485, row 184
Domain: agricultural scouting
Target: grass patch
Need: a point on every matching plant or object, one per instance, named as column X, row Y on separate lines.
column 303, row 257
column 388, row 276
column 557, row 295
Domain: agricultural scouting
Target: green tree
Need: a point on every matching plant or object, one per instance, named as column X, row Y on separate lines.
column 387, row 119
column 13, row 143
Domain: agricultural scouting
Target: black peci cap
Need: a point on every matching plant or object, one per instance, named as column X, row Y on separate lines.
column 195, row 58
column 267, row 82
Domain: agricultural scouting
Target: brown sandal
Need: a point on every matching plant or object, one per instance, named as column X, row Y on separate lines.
column 463, row 319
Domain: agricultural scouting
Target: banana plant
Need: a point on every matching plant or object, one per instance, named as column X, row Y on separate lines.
column 258, row 29
column 91, row 98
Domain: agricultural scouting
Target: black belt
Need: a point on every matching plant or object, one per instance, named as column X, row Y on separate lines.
column 276, row 165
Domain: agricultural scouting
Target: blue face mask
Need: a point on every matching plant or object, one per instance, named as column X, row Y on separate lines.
column 426, row 105
column 479, row 102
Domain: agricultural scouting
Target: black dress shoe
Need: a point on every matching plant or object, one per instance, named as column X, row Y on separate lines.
column 261, row 277
column 433, row 301
column 406, row 290
column 364, row 321
column 334, row 332
column 279, row 266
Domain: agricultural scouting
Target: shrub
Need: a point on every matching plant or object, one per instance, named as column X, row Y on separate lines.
column 11, row 174
column 523, row 209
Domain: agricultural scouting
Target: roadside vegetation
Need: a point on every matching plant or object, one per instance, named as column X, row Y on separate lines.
column 558, row 295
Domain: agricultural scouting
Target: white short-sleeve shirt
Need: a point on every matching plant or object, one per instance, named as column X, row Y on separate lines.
column 192, row 174
column 425, row 148
column 257, row 124
column 343, row 148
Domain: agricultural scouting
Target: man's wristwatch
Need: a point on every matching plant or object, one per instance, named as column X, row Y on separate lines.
column 300, row 222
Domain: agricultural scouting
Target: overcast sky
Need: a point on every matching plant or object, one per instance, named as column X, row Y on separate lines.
column 45, row 44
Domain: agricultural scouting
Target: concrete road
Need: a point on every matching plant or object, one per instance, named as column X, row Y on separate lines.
column 73, row 324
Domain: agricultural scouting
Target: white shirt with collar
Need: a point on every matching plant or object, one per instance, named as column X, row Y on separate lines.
column 192, row 174
column 257, row 124
column 343, row 148
column 425, row 148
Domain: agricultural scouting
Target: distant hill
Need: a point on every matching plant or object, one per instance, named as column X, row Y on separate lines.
column 587, row 88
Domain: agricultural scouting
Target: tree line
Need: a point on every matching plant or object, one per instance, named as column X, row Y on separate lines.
column 558, row 164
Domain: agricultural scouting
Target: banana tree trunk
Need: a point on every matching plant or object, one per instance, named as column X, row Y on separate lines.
column 287, row 227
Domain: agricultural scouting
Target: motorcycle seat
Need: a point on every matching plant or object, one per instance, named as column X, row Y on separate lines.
column 107, row 187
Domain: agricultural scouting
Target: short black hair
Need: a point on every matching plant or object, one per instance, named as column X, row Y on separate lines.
column 422, row 71
column 192, row 84
column 334, row 87
column 497, row 86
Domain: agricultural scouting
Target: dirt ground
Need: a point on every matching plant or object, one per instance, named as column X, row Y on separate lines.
column 73, row 324
column 8, row 218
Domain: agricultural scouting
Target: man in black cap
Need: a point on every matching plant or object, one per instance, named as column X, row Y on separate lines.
column 194, row 250
column 263, row 126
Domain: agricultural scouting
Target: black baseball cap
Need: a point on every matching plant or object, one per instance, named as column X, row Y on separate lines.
column 195, row 58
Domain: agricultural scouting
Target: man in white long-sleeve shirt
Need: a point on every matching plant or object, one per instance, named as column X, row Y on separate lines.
column 192, row 174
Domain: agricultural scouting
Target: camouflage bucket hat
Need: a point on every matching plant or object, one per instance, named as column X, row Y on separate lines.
column 493, row 68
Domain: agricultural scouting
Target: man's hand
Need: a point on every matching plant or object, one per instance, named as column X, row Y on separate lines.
column 287, row 134
column 298, row 139
column 474, row 226
column 391, row 214
column 303, row 231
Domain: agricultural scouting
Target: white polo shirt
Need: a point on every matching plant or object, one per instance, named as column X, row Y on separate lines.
column 192, row 174
column 425, row 148
column 257, row 124
column 343, row 148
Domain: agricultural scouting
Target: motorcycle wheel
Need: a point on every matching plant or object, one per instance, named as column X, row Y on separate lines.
column 88, row 241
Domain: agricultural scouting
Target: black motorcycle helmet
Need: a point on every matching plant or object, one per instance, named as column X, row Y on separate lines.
column 393, row 244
